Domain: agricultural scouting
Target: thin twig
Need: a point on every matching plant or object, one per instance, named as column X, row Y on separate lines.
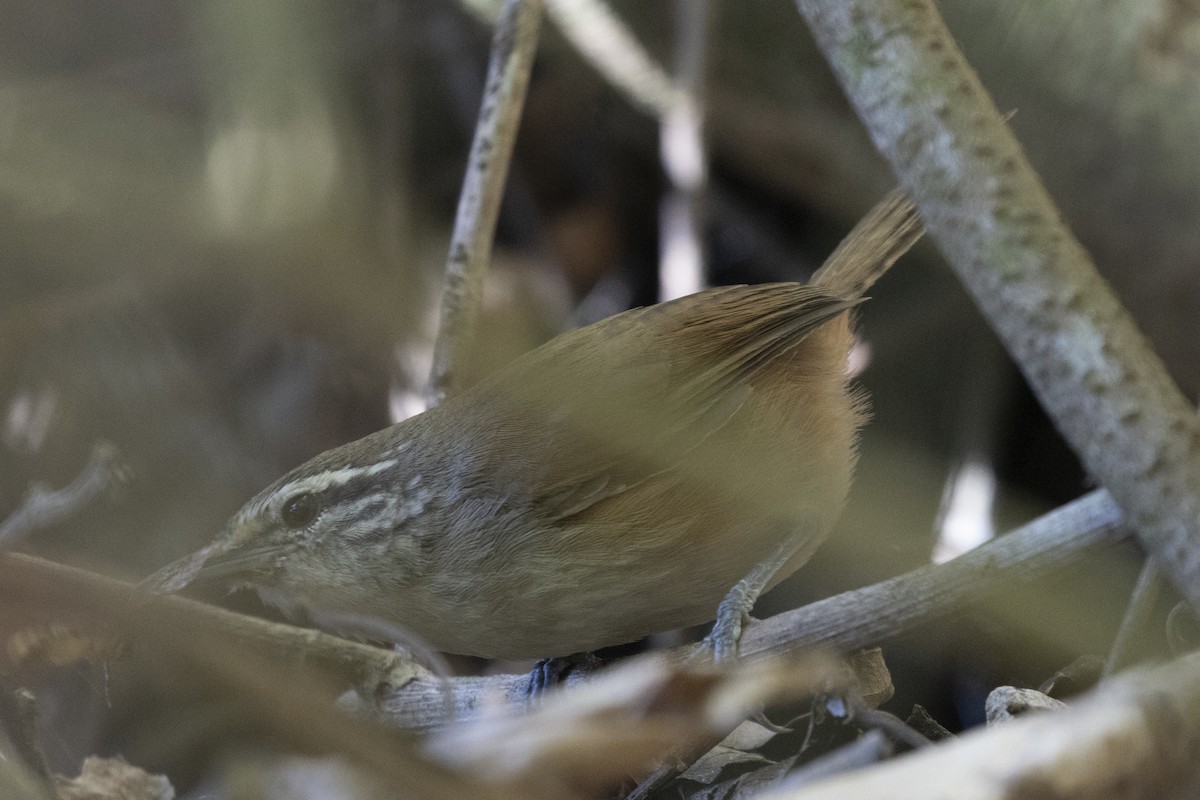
column 666, row 772
column 43, row 508
column 869, row 749
column 514, row 44
column 986, row 208
column 889, row 724
column 1141, row 605
column 608, row 45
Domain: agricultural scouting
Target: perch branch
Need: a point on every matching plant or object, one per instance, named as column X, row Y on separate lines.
column 986, row 208
column 862, row 617
column 514, row 44
column 867, row 616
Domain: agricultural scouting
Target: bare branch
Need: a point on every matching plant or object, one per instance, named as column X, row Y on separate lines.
column 1107, row 391
column 873, row 614
column 1135, row 737
column 608, row 45
column 514, row 44
column 43, row 508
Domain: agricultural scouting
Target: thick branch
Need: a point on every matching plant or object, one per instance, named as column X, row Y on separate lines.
column 1136, row 737
column 281, row 674
column 513, row 47
column 1093, row 372
column 37, row 589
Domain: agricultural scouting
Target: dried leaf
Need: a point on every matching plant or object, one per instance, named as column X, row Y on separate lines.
column 113, row 779
column 626, row 721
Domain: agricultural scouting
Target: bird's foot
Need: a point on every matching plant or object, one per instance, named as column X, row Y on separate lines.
column 550, row 672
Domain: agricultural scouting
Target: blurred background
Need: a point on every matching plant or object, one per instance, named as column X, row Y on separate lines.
column 223, row 225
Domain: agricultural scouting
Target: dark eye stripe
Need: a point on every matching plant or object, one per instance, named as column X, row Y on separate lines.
column 365, row 514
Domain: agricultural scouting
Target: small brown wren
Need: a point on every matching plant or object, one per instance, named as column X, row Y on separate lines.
column 617, row 481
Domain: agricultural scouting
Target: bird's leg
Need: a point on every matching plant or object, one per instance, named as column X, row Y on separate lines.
column 734, row 611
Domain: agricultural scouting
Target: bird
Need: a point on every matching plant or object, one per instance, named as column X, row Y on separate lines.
column 654, row 470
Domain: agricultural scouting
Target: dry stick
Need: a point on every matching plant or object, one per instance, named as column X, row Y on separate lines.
column 1092, row 370
column 603, row 40
column 862, row 617
column 1137, row 735
column 43, row 508
column 868, row 616
column 608, row 45
column 872, row 748
column 513, row 46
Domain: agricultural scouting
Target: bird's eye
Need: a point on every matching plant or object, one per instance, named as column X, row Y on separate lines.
column 298, row 510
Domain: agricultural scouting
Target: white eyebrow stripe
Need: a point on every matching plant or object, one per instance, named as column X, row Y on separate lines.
column 334, row 477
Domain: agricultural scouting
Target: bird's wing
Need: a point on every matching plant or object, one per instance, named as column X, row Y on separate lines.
column 607, row 407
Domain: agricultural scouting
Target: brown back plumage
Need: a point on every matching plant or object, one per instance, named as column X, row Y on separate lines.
column 637, row 393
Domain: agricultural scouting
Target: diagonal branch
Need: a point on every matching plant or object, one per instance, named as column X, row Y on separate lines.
column 611, row 48
column 871, row 615
column 1092, row 370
